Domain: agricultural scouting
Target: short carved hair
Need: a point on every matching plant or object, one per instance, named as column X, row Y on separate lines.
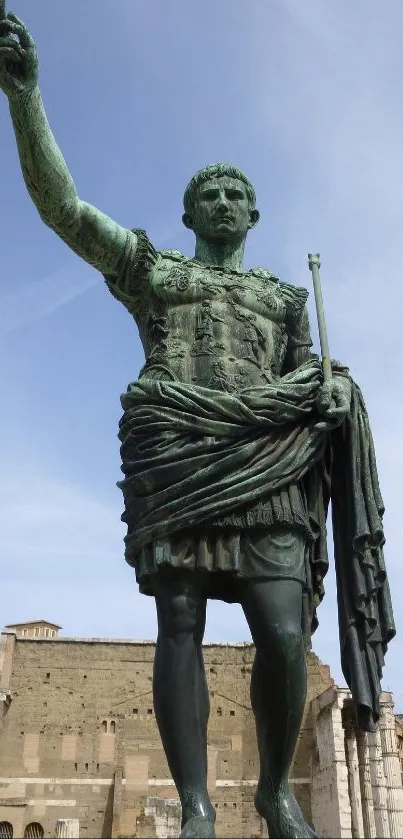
column 215, row 170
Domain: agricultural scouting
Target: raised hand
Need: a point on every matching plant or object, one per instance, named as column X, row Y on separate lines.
column 18, row 57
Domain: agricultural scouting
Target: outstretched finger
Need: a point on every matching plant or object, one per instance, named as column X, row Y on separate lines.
column 9, row 43
column 335, row 413
column 7, row 25
column 7, row 54
column 22, row 31
column 340, row 399
column 323, row 426
column 325, row 393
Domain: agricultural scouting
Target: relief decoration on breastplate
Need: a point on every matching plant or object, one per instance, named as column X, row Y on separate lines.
column 163, row 348
column 204, row 343
column 178, row 280
column 221, row 379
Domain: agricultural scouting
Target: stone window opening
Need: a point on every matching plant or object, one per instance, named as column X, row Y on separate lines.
column 48, row 675
column 149, row 710
column 135, row 710
column 33, row 830
column 219, row 712
column 86, row 767
column 36, row 630
column 232, row 713
column 47, row 632
column 6, row 830
column 104, row 726
column 113, row 727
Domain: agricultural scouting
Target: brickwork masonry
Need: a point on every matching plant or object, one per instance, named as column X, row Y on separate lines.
column 79, row 740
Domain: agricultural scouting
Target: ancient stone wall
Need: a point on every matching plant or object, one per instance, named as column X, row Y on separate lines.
column 80, row 741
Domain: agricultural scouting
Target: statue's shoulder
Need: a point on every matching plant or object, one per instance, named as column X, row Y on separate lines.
column 294, row 297
column 172, row 255
column 173, row 262
column 265, row 274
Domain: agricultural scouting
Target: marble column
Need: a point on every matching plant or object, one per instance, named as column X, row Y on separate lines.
column 378, row 781
column 366, row 786
column 331, row 809
column 67, row 829
column 353, row 769
column 391, row 764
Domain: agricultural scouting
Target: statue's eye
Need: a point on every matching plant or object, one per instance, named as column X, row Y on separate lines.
column 210, row 195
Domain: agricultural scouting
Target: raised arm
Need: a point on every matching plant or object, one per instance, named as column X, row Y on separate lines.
column 90, row 233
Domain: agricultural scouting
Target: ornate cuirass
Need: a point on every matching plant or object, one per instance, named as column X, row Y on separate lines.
column 214, row 327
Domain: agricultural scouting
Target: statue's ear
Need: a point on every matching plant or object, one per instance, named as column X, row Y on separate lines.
column 188, row 221
column 254, row 217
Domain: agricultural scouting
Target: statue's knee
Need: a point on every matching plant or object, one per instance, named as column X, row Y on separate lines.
column 281, row 642
column 181, row 616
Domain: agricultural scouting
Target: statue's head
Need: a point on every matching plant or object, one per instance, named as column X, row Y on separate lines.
column 219, row 204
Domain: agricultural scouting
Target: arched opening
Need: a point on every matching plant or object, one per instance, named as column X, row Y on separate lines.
column 6, row 830
column 113, row 727
column 33, row 830
column 104, row 726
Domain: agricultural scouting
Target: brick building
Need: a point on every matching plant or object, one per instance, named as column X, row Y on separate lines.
column 80, row 749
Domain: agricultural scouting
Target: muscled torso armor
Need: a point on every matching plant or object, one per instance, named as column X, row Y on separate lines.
column 209, row 326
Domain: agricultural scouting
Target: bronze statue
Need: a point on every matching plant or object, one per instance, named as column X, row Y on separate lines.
column 232, row 444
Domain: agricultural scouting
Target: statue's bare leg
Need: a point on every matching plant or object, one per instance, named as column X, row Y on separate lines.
column 278, row 691
column 181, row 699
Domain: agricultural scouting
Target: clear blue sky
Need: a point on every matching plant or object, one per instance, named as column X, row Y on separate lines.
column 306, row 98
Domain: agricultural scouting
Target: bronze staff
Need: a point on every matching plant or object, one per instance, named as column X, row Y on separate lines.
column 314, row 265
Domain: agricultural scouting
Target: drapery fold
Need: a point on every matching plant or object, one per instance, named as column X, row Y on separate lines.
column 366, row 622
column 190, row 455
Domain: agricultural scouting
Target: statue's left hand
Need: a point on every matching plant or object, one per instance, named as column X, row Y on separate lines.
column 333, row 400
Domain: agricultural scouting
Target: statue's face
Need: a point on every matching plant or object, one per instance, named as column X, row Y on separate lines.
column 222, row 211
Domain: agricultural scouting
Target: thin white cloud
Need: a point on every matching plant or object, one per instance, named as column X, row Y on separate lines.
column 61, row 556
column 43, row 516
column 35, row 300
